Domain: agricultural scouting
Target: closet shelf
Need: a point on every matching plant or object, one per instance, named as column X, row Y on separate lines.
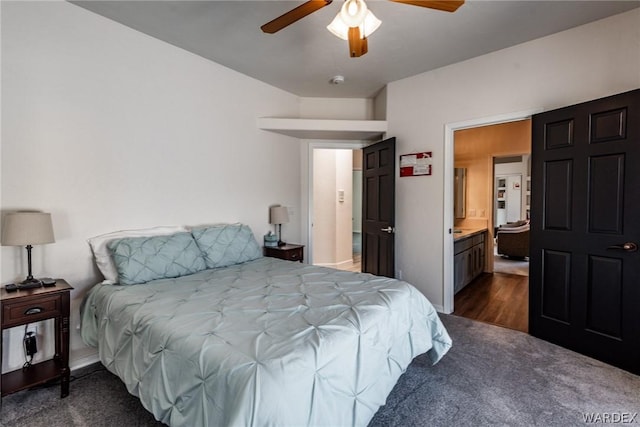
column 368, row 130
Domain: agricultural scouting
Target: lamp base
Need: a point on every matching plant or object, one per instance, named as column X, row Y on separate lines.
column 280, row 242
column 30, row 284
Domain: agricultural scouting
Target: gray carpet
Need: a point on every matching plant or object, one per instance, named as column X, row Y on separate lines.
column 503, row 264
column 491, row 376
column 510, row 266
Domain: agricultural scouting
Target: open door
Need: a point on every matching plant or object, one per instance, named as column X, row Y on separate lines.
column 585, row 229
column 378, row 208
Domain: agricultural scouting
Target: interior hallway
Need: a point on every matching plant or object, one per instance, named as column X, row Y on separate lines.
column 355, row 264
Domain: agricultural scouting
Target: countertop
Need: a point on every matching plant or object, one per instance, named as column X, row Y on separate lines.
column 467, row 232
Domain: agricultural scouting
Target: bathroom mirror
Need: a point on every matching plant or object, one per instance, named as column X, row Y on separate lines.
column 460, row 193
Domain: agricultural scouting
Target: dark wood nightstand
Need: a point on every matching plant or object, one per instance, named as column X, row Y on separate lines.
column 289, row 252
column 33, row 305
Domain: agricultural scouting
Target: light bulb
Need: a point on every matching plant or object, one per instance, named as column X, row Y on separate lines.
column 353, row 12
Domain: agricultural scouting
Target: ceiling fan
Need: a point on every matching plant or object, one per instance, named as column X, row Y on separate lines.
column 354, row 22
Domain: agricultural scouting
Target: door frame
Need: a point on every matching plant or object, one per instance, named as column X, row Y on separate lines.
column 448, row 220
column 336, row 145
column 493, row 184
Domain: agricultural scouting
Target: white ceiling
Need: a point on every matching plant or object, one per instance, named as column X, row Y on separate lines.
column 304, row 56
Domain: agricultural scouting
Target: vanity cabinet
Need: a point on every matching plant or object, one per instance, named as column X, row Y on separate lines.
column 468, row 261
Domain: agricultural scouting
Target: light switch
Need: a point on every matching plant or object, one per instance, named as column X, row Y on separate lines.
column 341, row 196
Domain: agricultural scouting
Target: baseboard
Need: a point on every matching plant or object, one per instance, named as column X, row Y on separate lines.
column 89, row 358
column 440, row 309
column 347, row 262
column 334, row 264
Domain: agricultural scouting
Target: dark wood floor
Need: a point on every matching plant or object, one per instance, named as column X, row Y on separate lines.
column 501, row 299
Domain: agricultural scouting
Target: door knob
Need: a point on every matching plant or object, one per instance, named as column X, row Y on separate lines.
column 628, row 247
column 388, row 229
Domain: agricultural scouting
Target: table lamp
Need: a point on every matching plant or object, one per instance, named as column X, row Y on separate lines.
column 27, row 229
column 279, row 215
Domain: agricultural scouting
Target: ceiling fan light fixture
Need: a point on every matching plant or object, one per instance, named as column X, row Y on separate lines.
column 371, row 23
column 353, row 12
column 340, row 29
column 355, row 22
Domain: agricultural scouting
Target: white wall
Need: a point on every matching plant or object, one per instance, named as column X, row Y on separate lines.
column 513, row 168
column 380, row 105
column 588, row 62
column 324, row 206
column 336, row 108
column 108, row 129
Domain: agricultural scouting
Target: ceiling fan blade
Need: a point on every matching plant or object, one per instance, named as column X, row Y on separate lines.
column 293, row 15
column 445, row 5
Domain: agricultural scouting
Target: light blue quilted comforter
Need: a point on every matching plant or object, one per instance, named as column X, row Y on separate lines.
column 267, row 342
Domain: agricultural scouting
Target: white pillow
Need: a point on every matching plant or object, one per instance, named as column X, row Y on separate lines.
column 103, row 256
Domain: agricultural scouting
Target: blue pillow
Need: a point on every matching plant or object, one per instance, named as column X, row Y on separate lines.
column 142, row 259
column 227, row 244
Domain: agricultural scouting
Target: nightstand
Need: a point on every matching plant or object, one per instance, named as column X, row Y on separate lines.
column 288, row 252
column 33, row 305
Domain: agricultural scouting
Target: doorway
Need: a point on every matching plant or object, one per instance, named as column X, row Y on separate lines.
column 336, row 208
column 511, row 212
column 495, row 160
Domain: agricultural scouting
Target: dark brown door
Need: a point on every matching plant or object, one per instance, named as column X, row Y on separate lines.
column 585, row 227
column 378, row 207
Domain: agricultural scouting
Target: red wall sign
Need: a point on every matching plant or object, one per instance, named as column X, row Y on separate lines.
column 415, row 164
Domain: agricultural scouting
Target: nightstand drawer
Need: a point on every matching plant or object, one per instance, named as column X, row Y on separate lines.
column 289, row 252
column 294, row 255
column 35, row 309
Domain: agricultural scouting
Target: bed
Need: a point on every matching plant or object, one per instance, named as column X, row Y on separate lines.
column 258, row 342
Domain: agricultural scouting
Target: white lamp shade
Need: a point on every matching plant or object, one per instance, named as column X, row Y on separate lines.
column 353, row 12
column 340, row 29
column 278, row 215
column 27, row 228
